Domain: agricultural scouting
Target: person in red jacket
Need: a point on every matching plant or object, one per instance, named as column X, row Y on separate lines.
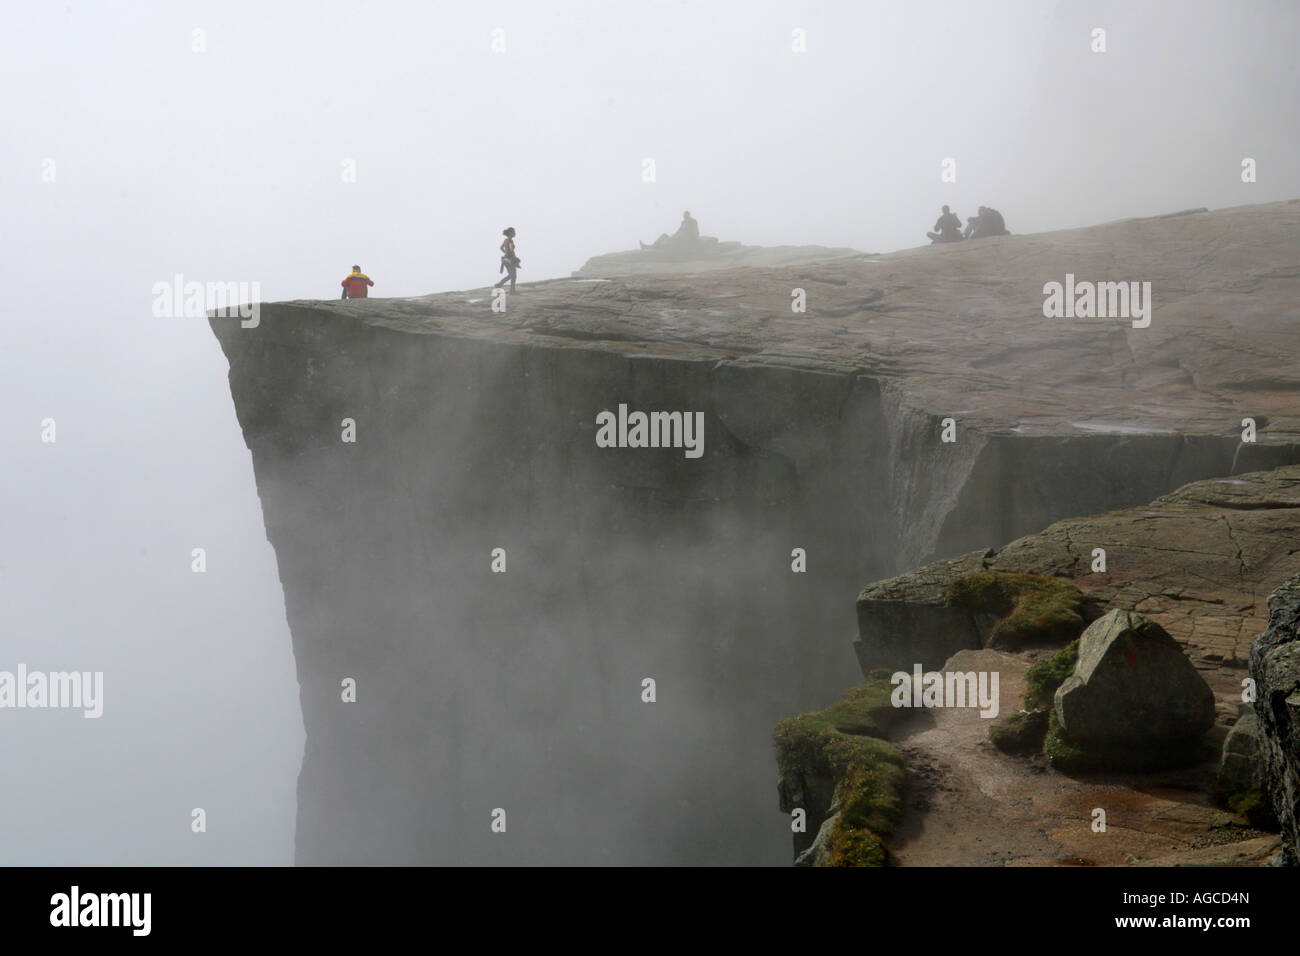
column 355, row 285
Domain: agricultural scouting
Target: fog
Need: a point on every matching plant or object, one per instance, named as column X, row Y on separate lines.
column 135, row 149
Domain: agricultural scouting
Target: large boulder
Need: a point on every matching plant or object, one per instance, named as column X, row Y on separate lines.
column 1275, row 667
column 1132, row 690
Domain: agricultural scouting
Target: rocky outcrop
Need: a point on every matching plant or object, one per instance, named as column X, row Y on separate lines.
column 837, row 769
column 1275, row 667
column 927, row 615
column 1199, row 562
column 1133, row 691
column 475, row 431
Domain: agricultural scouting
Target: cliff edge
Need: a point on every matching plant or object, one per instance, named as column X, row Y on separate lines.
column 498, row 586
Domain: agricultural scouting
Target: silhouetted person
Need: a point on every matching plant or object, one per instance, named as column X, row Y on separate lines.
column 687, row 234
column 947, row 228
column 356, row 284
column 509, row 261
column 988, row 223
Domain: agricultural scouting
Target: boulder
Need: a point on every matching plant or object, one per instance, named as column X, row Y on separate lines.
column 1239, row 765
column 1133, row 687
column 1275, row 667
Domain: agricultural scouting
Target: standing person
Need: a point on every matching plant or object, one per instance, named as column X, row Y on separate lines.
column 356, row 284
column 509, row 261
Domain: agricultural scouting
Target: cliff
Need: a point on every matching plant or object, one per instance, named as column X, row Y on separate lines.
column 476, row 430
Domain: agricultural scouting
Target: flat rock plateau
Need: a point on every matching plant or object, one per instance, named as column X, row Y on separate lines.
column 824, row 432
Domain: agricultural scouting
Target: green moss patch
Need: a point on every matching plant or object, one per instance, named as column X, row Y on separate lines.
column 1026, row 732
column 841, row 742
column 1031, row 608
column 1042, row 679
column 1254, row 806
column 1064, row 754
column 864, row 711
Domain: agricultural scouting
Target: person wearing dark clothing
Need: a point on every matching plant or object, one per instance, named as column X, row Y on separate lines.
column 988, row 223
column 687, row 234
column 356, row 284
column 509, row 261
column 992, row 223
column 947, row 228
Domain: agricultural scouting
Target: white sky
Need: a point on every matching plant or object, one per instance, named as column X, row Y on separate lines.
column 225, row 166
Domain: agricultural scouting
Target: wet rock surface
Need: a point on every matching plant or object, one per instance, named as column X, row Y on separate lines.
column 1133, row 689
column 1275, row 666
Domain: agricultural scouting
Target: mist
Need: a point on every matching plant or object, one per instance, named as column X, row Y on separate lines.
column 282, row 144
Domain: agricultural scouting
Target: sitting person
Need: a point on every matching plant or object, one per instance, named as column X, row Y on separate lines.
column 988, row 223
column 947, row 228
column 355, row 284
column 687, row 234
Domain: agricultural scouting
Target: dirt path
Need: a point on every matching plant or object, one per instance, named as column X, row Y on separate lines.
column 968, row 804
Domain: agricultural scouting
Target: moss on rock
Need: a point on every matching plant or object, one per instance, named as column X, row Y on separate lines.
column 1042, row 679
column 1255, row 807
column 1031, row 608
column 1027, row 731
column 1062, row 753
column 841, row 742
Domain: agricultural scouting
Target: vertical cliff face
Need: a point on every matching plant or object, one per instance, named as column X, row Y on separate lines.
column 1275, row 667
column 523, row 690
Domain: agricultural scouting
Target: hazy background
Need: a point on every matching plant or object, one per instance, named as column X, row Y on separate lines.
column 225, row 165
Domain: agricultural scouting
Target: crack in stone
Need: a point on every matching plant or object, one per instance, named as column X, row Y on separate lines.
column 1241, row 561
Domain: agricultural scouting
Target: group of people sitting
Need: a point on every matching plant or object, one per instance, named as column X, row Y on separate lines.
column 948, row 228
